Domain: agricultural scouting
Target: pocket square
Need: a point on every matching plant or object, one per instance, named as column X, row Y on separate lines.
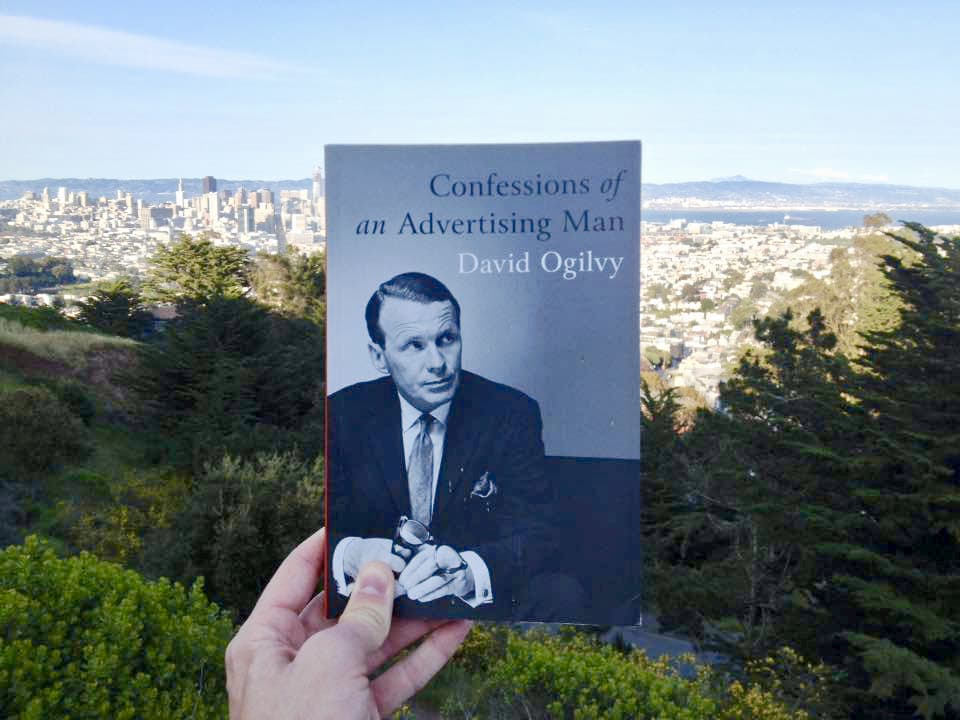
column 484, row 491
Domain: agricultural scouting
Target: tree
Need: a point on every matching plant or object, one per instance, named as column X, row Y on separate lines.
column 293, row 284
column 741, row 508
column 230, row 375
column 893, row 588
column 116, row 308
column 877, row 220
column 194, row 270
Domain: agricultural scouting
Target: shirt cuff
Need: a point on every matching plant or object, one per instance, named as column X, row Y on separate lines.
column 343, row 587
column 482, row 591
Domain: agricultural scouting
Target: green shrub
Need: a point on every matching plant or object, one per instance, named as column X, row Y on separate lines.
column 37, row 432
column 142, row 505
column 499, row 673
column 241, row 520
column 75, row 396
column 83, row 638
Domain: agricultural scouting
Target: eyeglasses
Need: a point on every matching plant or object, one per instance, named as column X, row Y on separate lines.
column 412, row 535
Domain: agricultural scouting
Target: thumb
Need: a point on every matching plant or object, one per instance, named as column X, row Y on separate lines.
column 370, row 608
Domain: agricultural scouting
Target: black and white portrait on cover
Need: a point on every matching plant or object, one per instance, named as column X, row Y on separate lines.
column 483, row 415
column 440, row 472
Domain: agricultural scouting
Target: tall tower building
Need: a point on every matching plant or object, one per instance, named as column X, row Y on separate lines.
column 179, row 202
column 62, row 197
column 209, row 184
column 317, row 184
column 213, row 207
column 246, row 220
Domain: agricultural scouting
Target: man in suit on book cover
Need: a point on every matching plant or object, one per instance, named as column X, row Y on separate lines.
column 440, row 457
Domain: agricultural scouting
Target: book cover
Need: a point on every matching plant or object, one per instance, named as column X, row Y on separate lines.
column 483, row 372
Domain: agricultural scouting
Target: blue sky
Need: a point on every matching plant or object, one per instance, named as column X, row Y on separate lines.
column 851, row 91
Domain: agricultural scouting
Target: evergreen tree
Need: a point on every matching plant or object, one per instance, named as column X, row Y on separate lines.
column 116, row 308
column 892, row 597
column 745, row 505
column 292, row 284
column 194, row 270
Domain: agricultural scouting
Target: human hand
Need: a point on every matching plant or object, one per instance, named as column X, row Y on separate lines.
column 288, row 662
column 423, row 579
column 364, row 550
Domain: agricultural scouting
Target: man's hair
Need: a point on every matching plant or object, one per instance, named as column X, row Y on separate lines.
column 406, row 286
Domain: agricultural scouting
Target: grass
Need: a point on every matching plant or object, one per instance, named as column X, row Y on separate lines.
column 64, row 346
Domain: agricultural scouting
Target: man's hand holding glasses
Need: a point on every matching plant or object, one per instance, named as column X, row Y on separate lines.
column 434, row 571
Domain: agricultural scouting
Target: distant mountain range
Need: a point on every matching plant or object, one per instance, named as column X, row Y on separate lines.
column 736, row 190
column 852, row 195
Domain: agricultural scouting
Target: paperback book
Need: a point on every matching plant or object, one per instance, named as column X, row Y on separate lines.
column 483, row 373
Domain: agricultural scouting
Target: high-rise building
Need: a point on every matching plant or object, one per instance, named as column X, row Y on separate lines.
column 266, row 196
column 317, row 184
column 213, row 206
column 62, row 197
column 209, row 184
column 246, row 220
column 83, row 198
column 179, row 202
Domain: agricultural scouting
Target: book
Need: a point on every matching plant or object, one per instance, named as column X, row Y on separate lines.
column 483, row 378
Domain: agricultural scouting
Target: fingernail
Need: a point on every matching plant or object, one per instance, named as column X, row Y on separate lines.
column 372, row 582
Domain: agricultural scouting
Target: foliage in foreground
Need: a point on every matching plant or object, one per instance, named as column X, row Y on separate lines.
column 499, row 673
column 83, row 638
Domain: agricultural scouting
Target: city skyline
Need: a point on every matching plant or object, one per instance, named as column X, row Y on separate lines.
column 857, row 93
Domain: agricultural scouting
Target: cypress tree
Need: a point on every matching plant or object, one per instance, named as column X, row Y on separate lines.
column 890, row 600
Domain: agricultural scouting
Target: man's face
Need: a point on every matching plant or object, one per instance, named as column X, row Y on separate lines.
column 421, row 350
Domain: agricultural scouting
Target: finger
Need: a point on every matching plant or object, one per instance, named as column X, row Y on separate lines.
column 368, row 611
column 448, row 588
column 428, row 587
column 312, row 617
column 419, row 569
column 295, row 581
column 409, row 676
column 397, row 564
column 403, row 631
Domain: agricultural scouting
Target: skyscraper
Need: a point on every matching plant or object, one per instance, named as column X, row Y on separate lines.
column 317, row 184
column 179, row 202
column 209, row 184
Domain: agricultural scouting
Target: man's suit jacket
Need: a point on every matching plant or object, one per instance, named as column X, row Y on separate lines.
column 492, row 430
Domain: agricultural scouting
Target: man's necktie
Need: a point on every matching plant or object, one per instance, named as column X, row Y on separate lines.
column 420, row 472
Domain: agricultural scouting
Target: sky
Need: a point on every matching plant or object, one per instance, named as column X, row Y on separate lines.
column 849, row 91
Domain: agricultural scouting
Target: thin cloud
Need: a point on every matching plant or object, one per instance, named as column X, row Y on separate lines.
column 113, row 47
